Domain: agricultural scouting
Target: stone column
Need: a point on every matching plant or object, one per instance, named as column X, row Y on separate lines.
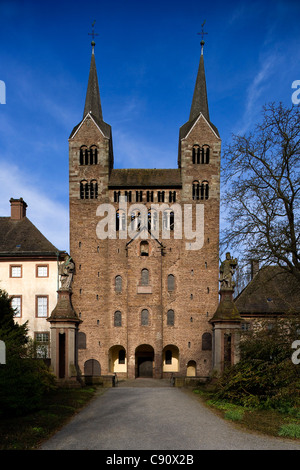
column 226, row 321
column 64, row 329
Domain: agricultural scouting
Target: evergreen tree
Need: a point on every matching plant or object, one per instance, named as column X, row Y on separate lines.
column 13, row 334
column 23, row 379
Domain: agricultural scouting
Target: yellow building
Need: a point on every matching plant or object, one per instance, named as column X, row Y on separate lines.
column 29, row 272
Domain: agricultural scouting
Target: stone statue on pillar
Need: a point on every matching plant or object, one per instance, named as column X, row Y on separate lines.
column 64, row 323
column 226, row 322
column 227, row 270
column 66, row 271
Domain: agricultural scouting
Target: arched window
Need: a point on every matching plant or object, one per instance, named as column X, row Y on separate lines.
column 81, row 340
column 144, row 246
column 135, row 221
column 172, row 196
column 149, row 196
column 84, row 189
column 128, row 196
column 93, row 155
column 117, row 318
column 88, row 156
column 206, row 342
column 82, row 155
column 139, row 196
column 161, row 196
column 168, row 356
column 168, row 220
column 145, row 277
column 94, row 189
column 204, row 190
column 117, row 195
column 196, row 154
column 172, row 217
column 145, row 317
column 205, row 154
column 171, row 282
column 170, row 317
column 196, row 191
column 120, row 220
column 121, row 356
column 149, row 220
column 118, row 283
column 154, row 221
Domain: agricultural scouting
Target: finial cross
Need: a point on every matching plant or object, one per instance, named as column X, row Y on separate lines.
column 93, row 34
column 202, row 32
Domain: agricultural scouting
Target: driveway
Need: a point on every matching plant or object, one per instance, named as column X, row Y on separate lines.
column 148, row 414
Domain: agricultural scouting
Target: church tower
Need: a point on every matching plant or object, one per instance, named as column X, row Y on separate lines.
column 146, row 288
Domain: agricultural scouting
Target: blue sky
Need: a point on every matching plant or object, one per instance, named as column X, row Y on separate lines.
column 147, row 56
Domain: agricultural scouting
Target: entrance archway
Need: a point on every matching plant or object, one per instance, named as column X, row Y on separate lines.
column 191, row 369
column 170, row 358
column 144, row 360
column 117, row 359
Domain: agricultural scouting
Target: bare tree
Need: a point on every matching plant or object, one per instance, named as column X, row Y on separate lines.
column 261, row 174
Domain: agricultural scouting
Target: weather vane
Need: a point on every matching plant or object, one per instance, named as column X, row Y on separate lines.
column 93, row 34
column 202, row 32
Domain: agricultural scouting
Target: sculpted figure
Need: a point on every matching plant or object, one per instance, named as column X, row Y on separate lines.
column 227, row 269
column 66, row 270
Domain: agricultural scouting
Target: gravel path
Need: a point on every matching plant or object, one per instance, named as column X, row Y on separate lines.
column 143, row 415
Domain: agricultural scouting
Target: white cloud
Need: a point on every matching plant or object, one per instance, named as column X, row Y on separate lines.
column 257, row 95
column 49, row 216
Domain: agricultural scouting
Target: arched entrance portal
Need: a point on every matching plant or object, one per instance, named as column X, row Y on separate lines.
column 117, row 359
column 144, row 361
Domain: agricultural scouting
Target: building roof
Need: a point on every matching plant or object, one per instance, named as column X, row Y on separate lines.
column 271, row 291
column 145, row 178
column 92, row 100
column 200, row 103
column 19, row 238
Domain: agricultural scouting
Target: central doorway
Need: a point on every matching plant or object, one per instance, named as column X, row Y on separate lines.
column 144, row 360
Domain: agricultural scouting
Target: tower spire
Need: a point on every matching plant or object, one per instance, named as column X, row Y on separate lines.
column 200, row 102
column 92, row 100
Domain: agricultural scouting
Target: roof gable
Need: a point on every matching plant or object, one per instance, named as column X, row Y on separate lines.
column 102, row 126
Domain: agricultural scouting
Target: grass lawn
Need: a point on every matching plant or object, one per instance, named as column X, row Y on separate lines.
column 278, row 423
column 28, row 432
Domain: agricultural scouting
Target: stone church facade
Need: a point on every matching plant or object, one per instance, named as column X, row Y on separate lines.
column 146, row 289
